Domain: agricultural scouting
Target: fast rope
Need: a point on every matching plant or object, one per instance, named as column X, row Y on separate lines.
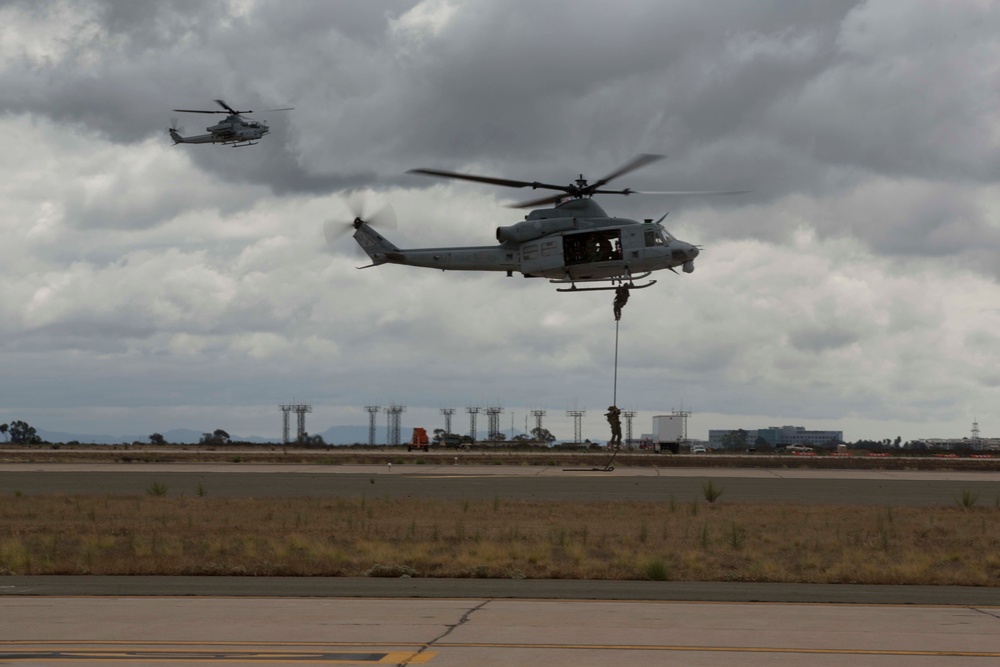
column 619, row 302
column 614, row 402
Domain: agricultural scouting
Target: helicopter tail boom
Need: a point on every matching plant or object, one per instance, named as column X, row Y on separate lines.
column 178, row 139
column 374, row 244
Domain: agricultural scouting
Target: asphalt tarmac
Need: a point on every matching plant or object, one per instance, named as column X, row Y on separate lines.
column 800, row 486
column 206, row 631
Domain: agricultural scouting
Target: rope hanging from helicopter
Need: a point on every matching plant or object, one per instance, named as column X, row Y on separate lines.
column 614, row 413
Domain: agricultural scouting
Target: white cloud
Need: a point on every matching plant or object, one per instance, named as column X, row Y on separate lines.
column 145, row 286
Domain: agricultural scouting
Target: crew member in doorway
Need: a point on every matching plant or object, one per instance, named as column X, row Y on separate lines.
column 614, row 419
column 621, row 298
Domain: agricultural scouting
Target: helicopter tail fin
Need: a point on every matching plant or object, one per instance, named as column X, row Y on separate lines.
column 375, row 245
column 178, row 139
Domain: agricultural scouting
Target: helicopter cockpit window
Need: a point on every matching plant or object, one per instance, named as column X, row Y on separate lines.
column 667, row 236
column 652, row 238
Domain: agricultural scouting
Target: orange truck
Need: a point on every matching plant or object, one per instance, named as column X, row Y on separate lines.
column 419, row 440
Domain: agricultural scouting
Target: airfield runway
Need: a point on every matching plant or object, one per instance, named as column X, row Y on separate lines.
column 477, row 482
column 90, row 631
column 204, row 621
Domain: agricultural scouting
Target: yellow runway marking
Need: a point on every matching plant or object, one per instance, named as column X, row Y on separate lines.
column 277, row 653
column 728, row 649
column 373, row 653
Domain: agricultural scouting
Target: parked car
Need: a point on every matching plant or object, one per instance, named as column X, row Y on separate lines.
column 699, row 449
column 801, row 449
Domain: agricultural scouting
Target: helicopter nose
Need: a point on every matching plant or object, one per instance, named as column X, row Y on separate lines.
column 693, row 252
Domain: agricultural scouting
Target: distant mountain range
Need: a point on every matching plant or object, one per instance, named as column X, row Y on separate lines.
column 335, row 435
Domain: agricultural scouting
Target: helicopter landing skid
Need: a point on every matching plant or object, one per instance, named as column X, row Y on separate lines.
column 574, row 288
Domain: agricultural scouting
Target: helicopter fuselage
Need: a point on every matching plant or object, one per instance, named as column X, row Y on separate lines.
column 234, row 130
column 574, row 241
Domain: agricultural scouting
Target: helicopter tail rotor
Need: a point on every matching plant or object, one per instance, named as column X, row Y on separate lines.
column 175, row 132
column 363, row 211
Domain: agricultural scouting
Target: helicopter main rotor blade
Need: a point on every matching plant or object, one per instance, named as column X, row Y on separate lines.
column 684, row 192
column 639, row 161
column 197, row 111
column 269, row 110
column 229, row 108
column 553, row 199
column 578, row 189
column 472, row 177
column 534, row 185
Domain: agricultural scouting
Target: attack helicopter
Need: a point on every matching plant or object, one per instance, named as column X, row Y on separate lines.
column 575, row 243
column 234, row 129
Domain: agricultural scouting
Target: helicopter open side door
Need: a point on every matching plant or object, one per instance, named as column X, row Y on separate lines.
column 543, row 256
column 597, row 245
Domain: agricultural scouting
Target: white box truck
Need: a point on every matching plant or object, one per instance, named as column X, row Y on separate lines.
column 668, row 432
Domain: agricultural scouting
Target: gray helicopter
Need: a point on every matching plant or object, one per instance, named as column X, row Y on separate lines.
column 234, row 129
column 573, row 242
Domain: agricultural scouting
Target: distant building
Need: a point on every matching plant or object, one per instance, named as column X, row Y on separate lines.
column 717, row 438
column 777, row 436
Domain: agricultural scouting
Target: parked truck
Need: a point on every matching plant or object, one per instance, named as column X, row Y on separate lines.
column 668, row 432
column 419, row 440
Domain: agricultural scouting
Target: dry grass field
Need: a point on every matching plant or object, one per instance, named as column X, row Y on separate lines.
column 273, row 454
column 693, row 541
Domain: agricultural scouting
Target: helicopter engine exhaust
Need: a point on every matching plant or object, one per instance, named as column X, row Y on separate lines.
column 688, row 267
column 529, row 230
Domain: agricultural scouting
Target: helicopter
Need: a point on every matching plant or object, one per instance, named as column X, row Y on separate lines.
column 234, row 129
column 575, row 244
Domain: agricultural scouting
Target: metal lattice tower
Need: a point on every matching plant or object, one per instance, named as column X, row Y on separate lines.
column 285, row 409
column 538, row 414
column 447, row 412
column 976, row 443
column 372, row 410
column 392, row 414
column 300, row 409
column 472, row 422
column 629, row 415
column 683, row 414
column 577, row 416
column 493, row 414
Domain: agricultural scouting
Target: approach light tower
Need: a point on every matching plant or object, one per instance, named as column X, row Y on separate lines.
column 538, row 414
column 447, row 412
column 577, row 416
column 392, row 414
column 300, row 410
column 976, row 442
column 683, row 414
column 472, row 422
column 493, row 413
column 372, row 410
column 629, row 415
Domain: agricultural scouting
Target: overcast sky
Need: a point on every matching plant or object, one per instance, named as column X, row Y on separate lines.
column 146, row 286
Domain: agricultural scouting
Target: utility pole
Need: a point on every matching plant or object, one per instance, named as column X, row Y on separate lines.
column 300, row 410
column 447, row 412
column 393, row 412
column 493, row 414
column 472, row 422
column 538, row 414
column 372, row 410
column 577, row 416
column 628, row 415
